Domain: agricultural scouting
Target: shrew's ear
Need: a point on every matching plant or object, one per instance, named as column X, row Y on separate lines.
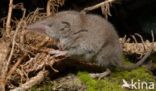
column 66, row 26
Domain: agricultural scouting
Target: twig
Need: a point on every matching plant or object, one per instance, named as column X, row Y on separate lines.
column 4, row 52
column 13, row 44
column 15, row 66
column 106, row 10
column 98, row 5
column 134, row 39
column 142, row 40
column 152, row 45
column 52, row 6
column 48, row 7
column 33, row 81
column 32, row 16
column 8, row 26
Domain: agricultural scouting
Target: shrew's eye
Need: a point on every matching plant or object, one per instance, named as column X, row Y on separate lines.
column 50, row 25
column 62, row 29
column 65, row 26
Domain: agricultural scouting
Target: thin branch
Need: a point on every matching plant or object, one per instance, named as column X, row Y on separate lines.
column 134, row 39
column 33, row 81
column 152, row 45
column 4, row 52
column 142, row 40
column 48, row 7
column 13, row 44
column 15, row 66
column 98, row 5
column 8, row 26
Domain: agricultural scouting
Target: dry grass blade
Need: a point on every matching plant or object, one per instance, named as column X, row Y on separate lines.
column 152, row 45
column 142, row 40
column 15, row 66
column 52, row 6
column 33, row 16
column 105, row 7
column 4, row 52
column 106, row 10
column 13, row 45
column 8, row 26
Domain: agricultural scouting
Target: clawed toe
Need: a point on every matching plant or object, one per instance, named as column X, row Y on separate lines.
column 58, row 53
column 100, row 75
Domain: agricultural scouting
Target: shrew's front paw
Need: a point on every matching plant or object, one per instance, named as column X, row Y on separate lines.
column 58, row 53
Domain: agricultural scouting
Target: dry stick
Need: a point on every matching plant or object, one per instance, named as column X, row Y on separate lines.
column 134, row 39
column 33, row 81
column 48, row 7
column 98, row 5
column 152, row 46
column 51, row 65
column 125, row 40
column 4, row 52
column 136, row 42
column 29, row 18
column 15, row 66
column 142, row 40
column 8, row 26
column 13, row 45
column 106, row 10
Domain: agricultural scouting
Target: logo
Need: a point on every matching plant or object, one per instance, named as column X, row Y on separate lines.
column 138, row 84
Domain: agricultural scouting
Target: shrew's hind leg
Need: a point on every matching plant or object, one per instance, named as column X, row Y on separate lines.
column 101, row 75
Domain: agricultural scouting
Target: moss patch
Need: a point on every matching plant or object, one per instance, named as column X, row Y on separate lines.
column 98, row 85
column 114, row 81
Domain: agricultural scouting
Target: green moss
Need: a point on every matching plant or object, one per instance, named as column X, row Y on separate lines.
column 98, row 85
column 42, row 87
column 139, row 73
column 88, row 80
column 114, row 81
